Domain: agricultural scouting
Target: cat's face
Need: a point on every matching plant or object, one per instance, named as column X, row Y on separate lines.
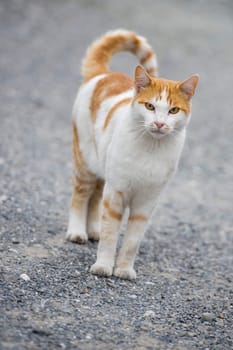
column 162, row 107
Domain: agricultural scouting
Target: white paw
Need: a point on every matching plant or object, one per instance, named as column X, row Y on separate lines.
column 93, row 235
column 94, row 230
column 77, row 237
column 125, row 273
column 101, row 269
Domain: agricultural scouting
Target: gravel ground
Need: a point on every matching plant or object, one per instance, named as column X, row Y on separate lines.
column 183, row 296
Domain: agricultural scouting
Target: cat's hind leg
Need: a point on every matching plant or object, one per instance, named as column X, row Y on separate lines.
column 84, row 184
column 94, row 212
column 77, row 227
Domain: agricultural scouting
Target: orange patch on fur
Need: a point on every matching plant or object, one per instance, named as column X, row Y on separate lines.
column 111, row 211
column 85, row 184
column 148, row 56
column 100, row 52
column 136, row 43
column 78, row 161
column 81, row 193
column 175, row 97
column 137, row 217
column 94, row 206
column 120, row 193
column 99, row 185
column 83, row 179
column 113, row 109
column 76, row 152
column 111, row 85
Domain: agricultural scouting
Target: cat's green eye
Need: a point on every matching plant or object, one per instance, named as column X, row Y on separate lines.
column 174, row 110
column 149, row 106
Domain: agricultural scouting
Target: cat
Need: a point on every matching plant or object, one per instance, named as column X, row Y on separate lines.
column 128, row 135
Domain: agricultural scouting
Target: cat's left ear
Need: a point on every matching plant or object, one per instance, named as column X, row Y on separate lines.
column 142, row 78
column 189, row 85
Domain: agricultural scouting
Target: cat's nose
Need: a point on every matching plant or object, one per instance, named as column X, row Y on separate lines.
column 159, row 124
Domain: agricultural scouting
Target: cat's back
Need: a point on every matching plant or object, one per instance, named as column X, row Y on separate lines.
column 95, row 113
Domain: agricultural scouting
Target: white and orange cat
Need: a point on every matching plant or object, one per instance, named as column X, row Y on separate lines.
column 127, row 139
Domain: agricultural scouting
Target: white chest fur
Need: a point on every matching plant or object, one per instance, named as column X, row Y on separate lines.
column 135, row 161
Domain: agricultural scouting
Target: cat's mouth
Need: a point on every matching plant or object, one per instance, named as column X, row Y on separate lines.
column 158, row 132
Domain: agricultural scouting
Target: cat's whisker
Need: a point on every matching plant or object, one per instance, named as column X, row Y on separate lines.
column 175, row 132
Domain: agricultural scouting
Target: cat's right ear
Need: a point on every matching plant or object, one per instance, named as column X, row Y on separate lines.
column 142, row 78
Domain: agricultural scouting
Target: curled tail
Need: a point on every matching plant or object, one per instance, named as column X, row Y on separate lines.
column 100, row 52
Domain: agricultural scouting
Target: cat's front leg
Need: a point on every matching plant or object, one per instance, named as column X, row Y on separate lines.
column 112, row 212
column 138, row 219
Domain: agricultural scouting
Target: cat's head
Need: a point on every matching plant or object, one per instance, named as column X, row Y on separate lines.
column 162, row 107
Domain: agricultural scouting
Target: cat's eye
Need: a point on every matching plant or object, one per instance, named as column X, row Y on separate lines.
column 174, row 110
column 149, row 106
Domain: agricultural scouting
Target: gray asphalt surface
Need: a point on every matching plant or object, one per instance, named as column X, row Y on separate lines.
column 183, row 296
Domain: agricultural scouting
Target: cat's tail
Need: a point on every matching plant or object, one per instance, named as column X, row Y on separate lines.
column 100, row 52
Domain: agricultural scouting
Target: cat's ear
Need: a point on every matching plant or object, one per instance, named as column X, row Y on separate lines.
column 189, row 85
column 142, row 78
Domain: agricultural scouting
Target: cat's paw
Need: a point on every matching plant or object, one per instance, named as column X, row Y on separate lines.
column 125, row 273
column 101, row 269
column 77, row 237
column 93, row 235
column 93, row 230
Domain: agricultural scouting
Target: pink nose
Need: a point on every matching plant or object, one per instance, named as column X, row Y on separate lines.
column 159, row 124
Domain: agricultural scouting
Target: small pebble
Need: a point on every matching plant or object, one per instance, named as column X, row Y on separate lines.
column 41, row 331
column 84, row 291
column 3, row 198
column 149, row 314
column 191, row 334
column 43, row 302
column 110, row 283
column 145, row 326
column 220, row 322
column 13, row 250
column 133, row 296
column 25, row 277
column 208, row 316
column 50, row 230
column 149, row 283
column 15, row 241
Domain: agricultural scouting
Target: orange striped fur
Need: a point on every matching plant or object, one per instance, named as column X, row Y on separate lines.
column 175, row 97
column 111, row 85
column 100, row 52
column 80, row 167
column 146, row 57
column 113, row 110
column 137, row 217
column 114, row 214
